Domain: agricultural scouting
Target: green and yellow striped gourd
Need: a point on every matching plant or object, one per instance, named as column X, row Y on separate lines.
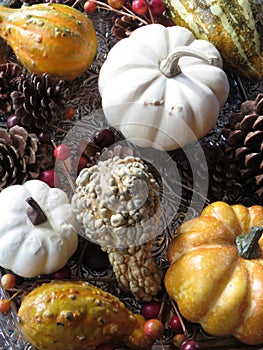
column 233, row 26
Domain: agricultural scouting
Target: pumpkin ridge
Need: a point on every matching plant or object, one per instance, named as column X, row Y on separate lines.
column 226, row 215
column 249, row 331
column 227, row 309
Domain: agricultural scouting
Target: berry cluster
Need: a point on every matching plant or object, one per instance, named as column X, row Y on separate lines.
column 8, row 282
column 154, row 328
column 138, row 7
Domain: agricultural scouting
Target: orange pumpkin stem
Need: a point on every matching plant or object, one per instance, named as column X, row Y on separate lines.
column 247, row 244
column 35, row 213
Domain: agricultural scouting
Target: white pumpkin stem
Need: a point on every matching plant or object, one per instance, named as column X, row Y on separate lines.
column 170, row 67
column 35, row 213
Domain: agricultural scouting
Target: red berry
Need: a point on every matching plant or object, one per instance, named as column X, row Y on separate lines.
column 104, row 138
column 49, row 177
column 154, row 328
column 12, row 120
column 89, row 6
column 139, row 7
column 5, row 306
column 82, row 163
column 151, row 310
column 62, row 274
column 175, row 324
column 116, row 4
column 157, row 6
column 62, row 152
column 44, row 138
column 8, row 281
column 190, row 345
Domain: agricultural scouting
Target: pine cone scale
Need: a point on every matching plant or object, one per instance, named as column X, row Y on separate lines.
column 253, row 139
column 248, row 122
column 245, row 142
column 237, row 137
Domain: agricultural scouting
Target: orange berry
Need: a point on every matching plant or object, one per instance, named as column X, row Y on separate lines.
column 8, row 281
column 5, row 306
column 154, row 328
column 116, row 4
column 89, row 6
column 70, row 112
column 178, row 339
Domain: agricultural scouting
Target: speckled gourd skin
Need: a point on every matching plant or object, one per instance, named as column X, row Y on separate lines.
column 78, row 316
column 52, row 38
column 232, row 26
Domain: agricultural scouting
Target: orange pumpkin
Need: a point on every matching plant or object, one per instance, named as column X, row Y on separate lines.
column 216, row 271
column 50, row 38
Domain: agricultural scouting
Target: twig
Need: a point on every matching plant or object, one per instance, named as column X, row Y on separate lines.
column 150, row 11
column 66, row 170
column 180, row 318
column 129, row 13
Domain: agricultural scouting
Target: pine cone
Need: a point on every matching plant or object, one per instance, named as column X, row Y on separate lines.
column 21, row 158
column 39, row 102
column 214, row 169
column 124, row 25
column 245, row 142
column 10, row 74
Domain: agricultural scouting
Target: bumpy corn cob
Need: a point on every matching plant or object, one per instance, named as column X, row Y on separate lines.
column 118, row 203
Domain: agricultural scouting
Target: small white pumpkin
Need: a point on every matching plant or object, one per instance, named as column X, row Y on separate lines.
column 156, row 101
column 37, row 231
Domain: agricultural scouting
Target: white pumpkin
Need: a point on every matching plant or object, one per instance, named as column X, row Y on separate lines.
column 163, row 88
column 40, row 242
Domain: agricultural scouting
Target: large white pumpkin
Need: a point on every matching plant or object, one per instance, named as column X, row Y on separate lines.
column 30, row 247
column 163, row 88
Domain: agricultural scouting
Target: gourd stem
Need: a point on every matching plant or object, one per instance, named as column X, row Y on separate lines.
column 169, row 66
column 35, row 213
column 247, row 244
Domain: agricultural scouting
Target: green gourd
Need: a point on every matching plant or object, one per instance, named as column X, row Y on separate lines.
column 50, row 38
column 234, row 27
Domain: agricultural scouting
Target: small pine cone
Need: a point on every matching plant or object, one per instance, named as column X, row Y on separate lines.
column 10, row 74
column 135, row 270
column 211, row 168
column 39, row 102
column 245, row 142
column 222, row 173
column 21, row 158
column 124, row 25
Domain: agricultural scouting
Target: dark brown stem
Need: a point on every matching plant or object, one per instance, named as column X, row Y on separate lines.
column 35, row 213
column 247, row 244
